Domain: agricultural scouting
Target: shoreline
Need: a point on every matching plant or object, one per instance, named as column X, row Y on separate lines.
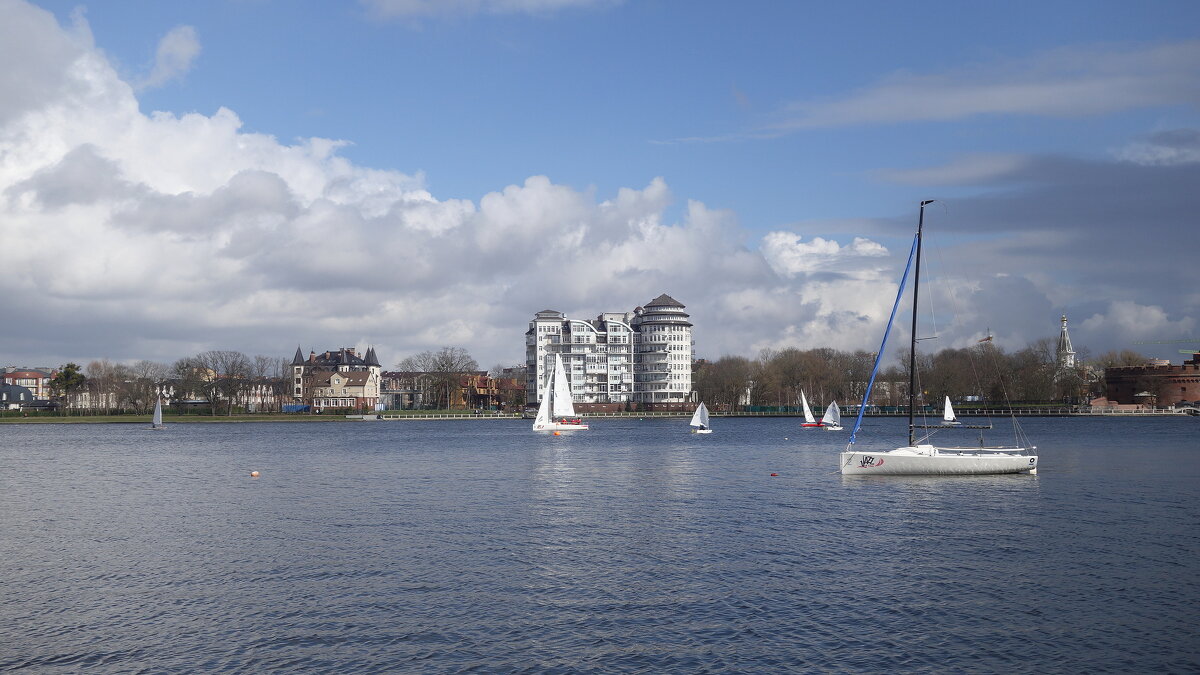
column 385, row 417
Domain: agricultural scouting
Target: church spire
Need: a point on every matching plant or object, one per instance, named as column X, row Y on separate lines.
column 1066, row 354
column 298, row 359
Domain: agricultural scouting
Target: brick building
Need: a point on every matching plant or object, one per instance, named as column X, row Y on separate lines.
column 1154, row 384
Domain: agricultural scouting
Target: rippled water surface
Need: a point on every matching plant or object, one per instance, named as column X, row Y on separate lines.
column 633, row 547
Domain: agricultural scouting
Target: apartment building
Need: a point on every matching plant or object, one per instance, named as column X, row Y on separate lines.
column 644, row 356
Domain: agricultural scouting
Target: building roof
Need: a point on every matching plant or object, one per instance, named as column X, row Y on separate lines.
column 346, row 356
column 370, row 358
column 665, row 300
column 298, row 359
column 12, row 393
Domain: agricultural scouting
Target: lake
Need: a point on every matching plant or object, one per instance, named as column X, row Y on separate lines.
column 633, row 547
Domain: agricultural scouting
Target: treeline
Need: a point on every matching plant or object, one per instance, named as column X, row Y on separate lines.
column 984, row 372
column 224, row 379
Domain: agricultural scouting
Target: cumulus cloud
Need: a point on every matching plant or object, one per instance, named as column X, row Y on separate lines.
column 176, row 52
column 430, row 8
column 789, row 256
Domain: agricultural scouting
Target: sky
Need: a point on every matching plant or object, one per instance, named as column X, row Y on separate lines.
column 257, row 175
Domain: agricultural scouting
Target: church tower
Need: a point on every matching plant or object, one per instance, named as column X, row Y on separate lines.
column 1066, row 354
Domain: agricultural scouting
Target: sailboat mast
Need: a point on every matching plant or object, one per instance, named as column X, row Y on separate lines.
column 912, row 350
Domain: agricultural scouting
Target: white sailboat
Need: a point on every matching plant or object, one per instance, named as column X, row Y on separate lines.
column 699, row 421
column 156, row 422
column 832, row 419
column 920, row 457
column 809, row 420
column 557, row 411
column 948, row 417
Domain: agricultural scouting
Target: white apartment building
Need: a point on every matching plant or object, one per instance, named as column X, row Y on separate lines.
column 643, row 356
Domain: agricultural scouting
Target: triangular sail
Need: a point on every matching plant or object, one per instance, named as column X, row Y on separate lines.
column 700, row 418
column 832, row 416
column 948, row 415
column 157, row 420
column 912, row 252
column 808, row 416
column 543, row 413
column 563, row 406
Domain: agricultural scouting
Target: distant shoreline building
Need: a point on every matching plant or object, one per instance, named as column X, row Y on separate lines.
column 617, row 359
column 1159, row 384
column 336, row 379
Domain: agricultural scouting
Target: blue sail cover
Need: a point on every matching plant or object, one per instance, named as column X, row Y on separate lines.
column 879, row 357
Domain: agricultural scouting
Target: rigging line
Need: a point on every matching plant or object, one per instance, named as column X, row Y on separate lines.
column 883, row 347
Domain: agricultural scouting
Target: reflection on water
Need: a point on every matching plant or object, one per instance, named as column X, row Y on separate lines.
column 634, row 546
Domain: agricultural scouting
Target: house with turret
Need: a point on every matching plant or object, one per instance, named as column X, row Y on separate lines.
column 336, row 379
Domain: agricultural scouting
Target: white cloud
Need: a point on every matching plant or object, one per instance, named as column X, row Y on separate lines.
column 176, row 52
column 789, row 256
column 1128, row 321
column 1067, row 82
column 1165, row 148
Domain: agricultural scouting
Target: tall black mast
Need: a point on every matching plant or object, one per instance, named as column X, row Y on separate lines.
column 912, row 350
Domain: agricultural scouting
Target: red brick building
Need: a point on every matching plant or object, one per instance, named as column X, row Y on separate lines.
column 1153, row 384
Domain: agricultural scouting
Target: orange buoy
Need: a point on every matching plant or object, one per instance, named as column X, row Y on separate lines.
column 558, row 433
column 254, row 474
column 774, row 474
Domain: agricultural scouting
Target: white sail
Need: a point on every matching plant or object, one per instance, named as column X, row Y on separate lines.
column 948, row 416
column 156, row 422
column 700, row 418
column 808, row 416
column 543, row 413
column 556, row 403
column 563, row 406
column 832, row 417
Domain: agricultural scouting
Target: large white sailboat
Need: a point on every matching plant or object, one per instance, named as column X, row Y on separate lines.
column 921, row 457
column 809, row 420
column 557, row 411
column 699, row 421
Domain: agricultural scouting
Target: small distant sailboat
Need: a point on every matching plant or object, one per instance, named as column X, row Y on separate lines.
column 156, row 422
column 948, row 417
column 699, row 421
column 557, row 411
column 809, row 420
column 832, row 419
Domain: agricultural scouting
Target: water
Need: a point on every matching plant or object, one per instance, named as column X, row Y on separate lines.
column 633, row 547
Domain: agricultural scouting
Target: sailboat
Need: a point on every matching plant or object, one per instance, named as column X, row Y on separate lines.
column 699, row 421
column 557, row 411
column 156, row 422
column 948, row 417
column 832, row 419
column 809, row 420
column 920, row 457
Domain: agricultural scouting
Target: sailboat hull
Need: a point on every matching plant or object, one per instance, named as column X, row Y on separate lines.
column 931, row 461
column 701, row 431
column 559, row 426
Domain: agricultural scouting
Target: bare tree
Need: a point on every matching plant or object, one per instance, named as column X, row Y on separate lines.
column 725, row 381
column 142, row 387
column 443, row 367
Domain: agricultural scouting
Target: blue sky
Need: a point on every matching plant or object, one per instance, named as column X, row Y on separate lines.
column 782, row 130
